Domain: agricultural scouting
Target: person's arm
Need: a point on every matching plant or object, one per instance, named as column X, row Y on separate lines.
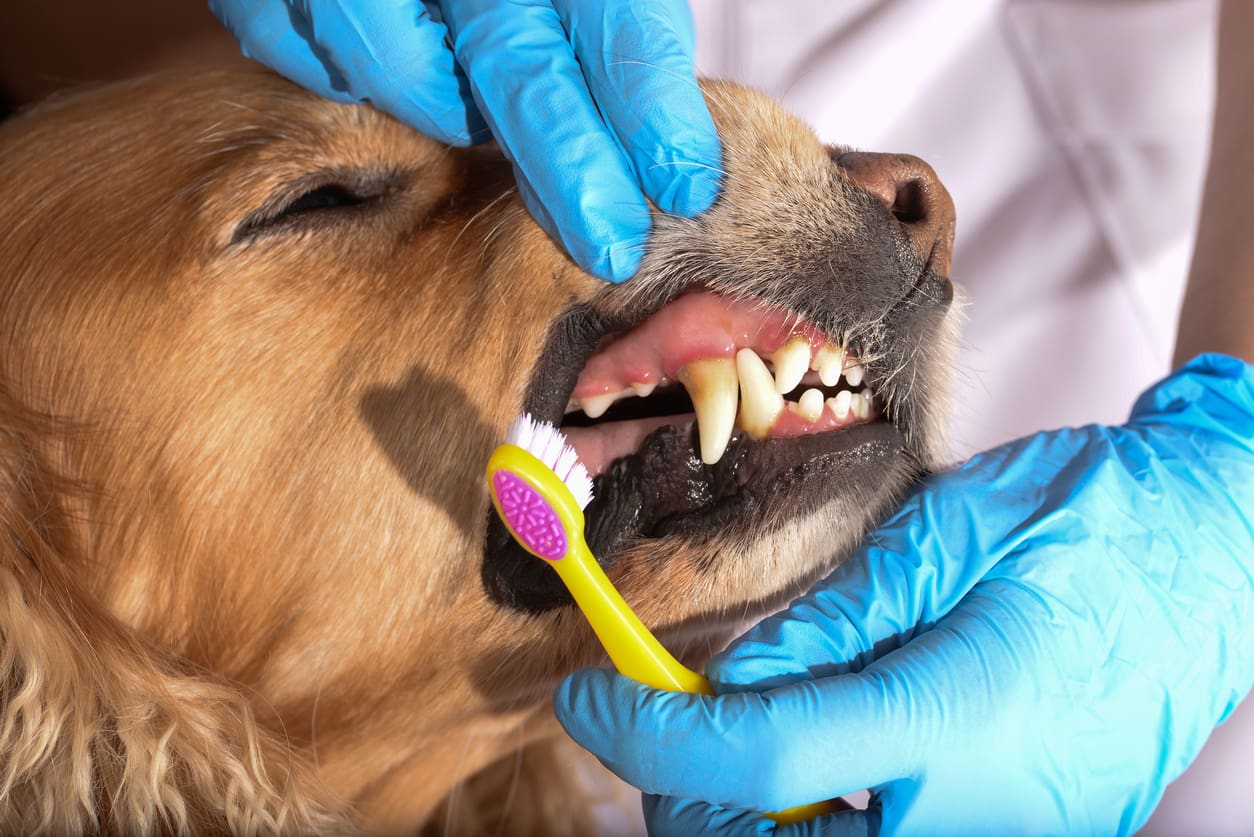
column 1218, row 310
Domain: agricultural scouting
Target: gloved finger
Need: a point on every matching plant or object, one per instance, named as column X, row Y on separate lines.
column 637, row 59
column 1211, row 399
column 670, row 815
column 277, row 35
column 394, row 53
column 867, row 607
column 763, row 752
column 571, row 172
column 910, row 572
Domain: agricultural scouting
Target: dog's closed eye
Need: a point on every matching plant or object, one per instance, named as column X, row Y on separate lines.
column 316, row 200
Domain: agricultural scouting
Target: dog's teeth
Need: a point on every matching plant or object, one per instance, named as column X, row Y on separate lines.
column 643, row 390
column 829, row 361
column 840, row 404
column 572, row 405
column 760, row 404
column 854, row 374
column 792, row 361
column 594, row 406
column 862, row 405
column 811, row 404
column 711, row 384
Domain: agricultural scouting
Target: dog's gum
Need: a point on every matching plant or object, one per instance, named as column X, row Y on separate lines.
column 694, row 326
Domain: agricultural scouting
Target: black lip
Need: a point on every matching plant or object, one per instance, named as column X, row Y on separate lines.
column 665, row 488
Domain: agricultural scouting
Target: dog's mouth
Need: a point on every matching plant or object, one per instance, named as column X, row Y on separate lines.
column 722, row 368
column 711, row 417
column 692, row 420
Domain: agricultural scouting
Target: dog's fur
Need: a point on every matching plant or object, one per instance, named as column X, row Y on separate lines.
column 242, row 508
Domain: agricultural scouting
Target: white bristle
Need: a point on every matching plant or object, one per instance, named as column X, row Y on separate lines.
column 546, row 443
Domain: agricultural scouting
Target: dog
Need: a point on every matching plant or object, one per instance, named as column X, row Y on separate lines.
column 256, row 350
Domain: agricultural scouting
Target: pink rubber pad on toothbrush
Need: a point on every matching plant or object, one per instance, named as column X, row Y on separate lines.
column 531, row 518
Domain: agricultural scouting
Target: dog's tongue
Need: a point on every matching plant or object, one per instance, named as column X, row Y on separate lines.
column 600, row 445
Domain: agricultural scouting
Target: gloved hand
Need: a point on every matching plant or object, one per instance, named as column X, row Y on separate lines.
column 1037, row 643
column 591, row 100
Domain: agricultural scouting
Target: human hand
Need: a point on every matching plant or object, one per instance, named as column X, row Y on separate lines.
column 594, row 102
column 1037, row 642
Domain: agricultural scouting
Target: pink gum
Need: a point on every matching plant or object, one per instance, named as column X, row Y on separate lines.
column 693, row 326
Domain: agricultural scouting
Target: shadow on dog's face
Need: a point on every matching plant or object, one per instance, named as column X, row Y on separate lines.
column 275, row 339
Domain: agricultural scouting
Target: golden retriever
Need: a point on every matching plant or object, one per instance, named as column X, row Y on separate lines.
column 256, row 349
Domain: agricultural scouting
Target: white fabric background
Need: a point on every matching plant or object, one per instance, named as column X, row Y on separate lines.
column 1072, row 135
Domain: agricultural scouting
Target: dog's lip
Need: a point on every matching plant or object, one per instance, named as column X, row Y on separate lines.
column 664, row 489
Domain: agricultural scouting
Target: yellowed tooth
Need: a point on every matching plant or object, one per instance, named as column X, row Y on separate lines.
column 810, row 404
column 711, row 384
column 760, row 404
column 854, row 374
column 594, row 406
column 830, row 360
column 792, row 361
column 840, row 404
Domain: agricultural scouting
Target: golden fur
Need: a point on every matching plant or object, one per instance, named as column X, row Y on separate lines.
column 242, row 508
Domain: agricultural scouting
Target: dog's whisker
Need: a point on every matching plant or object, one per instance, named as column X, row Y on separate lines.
column 515, row 777
column 504, row 220
column 629, row 61
column 690, row 164
column 473, row 218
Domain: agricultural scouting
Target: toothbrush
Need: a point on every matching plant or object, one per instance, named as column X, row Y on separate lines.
column 540, row 489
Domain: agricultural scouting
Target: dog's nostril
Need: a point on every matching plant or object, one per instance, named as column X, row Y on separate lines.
column 910, row 203
column 912, row 193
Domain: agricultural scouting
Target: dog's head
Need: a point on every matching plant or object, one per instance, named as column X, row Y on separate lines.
column 258, row 348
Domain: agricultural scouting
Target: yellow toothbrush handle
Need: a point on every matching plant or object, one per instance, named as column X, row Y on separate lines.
column 634, row 650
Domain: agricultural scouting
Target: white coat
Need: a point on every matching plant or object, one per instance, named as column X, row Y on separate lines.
column 1072, row 135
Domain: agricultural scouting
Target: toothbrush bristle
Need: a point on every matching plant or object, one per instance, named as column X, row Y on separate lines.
column 546, row 443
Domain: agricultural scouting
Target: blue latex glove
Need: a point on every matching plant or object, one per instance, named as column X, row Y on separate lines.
column 1037, row 643
column 591, row 100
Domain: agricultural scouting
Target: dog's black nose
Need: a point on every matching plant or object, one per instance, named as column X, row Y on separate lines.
column 912, row 192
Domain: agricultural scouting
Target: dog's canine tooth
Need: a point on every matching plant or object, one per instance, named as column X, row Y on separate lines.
column 712, row 385
column 840, row 404
column 760, row 404
column 792, row 361
column 854, row 374
column 810, row 405
column 594, row 406
column 830, row 361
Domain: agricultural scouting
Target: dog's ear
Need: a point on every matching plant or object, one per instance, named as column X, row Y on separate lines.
column 99, row 730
